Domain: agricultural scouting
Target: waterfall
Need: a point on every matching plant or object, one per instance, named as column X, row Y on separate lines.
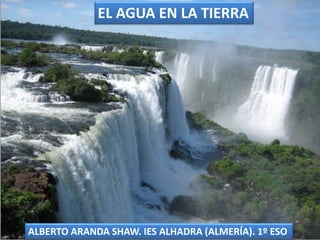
column 181, row 62
column 100, row 170
column 177, row 122
column 201, row 67
column 196, row 76
column 190, row 69
column 159, row 56
column 214, row 68
column 16, row 97
column 97, row 170
column 263, row 113
column 111, row 166
column 92, row 48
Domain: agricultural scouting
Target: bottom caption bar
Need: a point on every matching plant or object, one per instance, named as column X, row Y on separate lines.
column 159, row 231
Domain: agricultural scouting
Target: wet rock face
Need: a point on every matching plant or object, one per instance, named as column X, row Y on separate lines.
column 30, row 176
column 182, row 151
column 186, row 205
column 27, row 179
column 193, row 156
column 36, row 182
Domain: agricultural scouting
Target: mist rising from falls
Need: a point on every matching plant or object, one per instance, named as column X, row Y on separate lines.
column 263, row 114
column 194, row 75
column 100, row 171
column 60, row 39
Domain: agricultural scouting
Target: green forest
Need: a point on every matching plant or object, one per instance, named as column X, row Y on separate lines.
column 30, row 31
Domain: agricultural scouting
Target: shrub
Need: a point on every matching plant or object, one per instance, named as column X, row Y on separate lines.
column 19, row 207
column 99, row 82
column 166, row 78
column 243, row 138
column 79, row 90
column 226, row 167
column 13, row 168
column 8, row 59
column 133, row 56
column 56, row 72
column 199, row 121
column 27, row 58
column 275, row 142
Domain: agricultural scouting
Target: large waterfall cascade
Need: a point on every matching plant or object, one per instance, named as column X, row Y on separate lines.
column 101, row 170
column 120, row 169
column 263, row 114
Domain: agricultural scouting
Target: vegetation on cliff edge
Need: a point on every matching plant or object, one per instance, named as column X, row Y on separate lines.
column 261, row 183
column 26, row 58
column 27, row 196
column 79, row 89
column 130, row 56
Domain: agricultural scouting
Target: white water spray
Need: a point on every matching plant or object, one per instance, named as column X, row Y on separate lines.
column 14, row 97
column 60, row 39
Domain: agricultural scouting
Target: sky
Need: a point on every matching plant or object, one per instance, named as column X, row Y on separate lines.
column 279, row 24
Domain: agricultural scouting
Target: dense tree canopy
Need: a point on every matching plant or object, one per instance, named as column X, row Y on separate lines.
column 31, row 31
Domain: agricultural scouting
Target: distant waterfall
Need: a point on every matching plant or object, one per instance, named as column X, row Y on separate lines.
column 181, row 63
column 92, row 48
column 214, row 77
column 159, row 56
column 265, row 109
column 196, row 76
column 201, row 67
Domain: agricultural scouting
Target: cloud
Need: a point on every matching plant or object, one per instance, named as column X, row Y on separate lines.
column 14, row 1
column 25, row 12
column 87, row 13
column 65, row 4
